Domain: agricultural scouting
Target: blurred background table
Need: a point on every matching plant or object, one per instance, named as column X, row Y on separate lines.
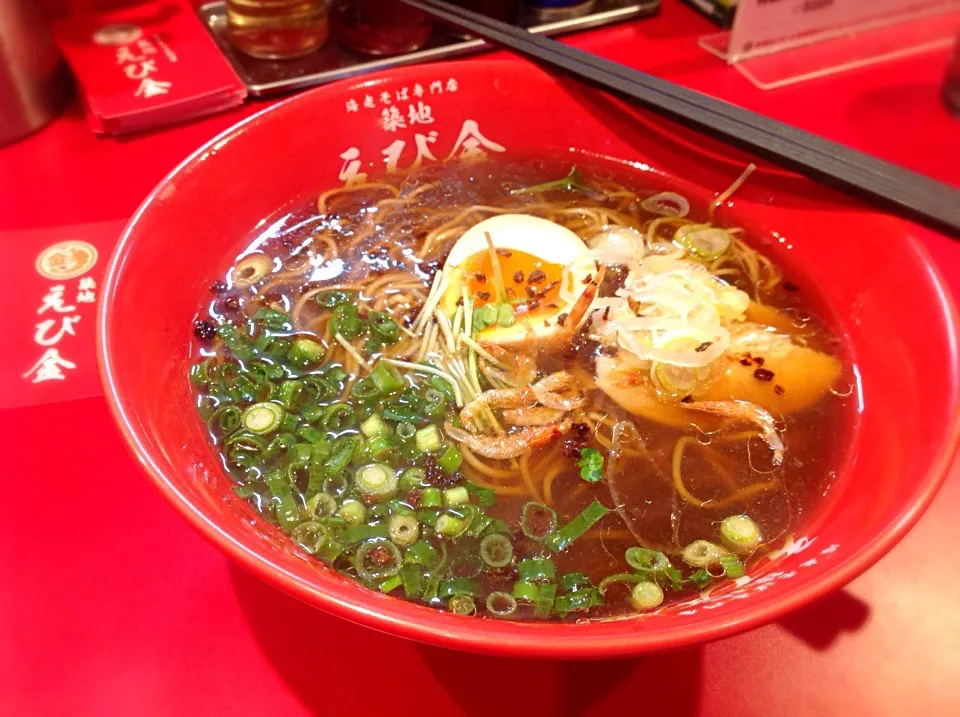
column 111, row 605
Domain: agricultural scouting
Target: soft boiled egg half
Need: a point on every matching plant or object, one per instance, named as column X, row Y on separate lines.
column 531, row 253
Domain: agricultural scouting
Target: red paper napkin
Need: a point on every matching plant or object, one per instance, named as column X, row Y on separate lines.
column 146, row 66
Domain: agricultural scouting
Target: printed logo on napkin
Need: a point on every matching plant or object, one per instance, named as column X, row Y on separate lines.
column 54, row 286
column 147, row 65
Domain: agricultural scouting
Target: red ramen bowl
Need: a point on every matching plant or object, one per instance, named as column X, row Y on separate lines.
column 877, row 288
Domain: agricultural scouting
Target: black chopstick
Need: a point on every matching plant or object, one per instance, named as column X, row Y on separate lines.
column 921, row 198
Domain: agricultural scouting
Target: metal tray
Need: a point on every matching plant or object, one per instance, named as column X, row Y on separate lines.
column 266, row 77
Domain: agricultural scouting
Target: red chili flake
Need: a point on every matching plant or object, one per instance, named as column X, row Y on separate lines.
column 413, row 498
column 758, row 360
column 518, row 276
column 763, row 374
column 204, row 329
column 546, row 323
column 703, row 347
column 587, row 279
column 484, row 295
column 504, row 252
column 606, row 313
column 380, row 556
column 531, row 291
column 531, row 305
column 552, row 306
column 746, row 361
column 460, row 301
column 549, row 287
column 686, row 399
column 778, row 389
column 536, row 275
column 511, row 294
column 481, row 278
column 790, row 286
column 561, row 319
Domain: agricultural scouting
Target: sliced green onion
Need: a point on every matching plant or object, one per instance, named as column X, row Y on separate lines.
column 458, row 495
column 496, row 550
column 488, row 313
column 534, row 570
column 359, row 533
column 456, row 586
column 378, row 513
column 450, row 526
column 385, row 328
column 310, row 434
column 373, row 426
column 378, row 446
column 307, row 535
column 576, row 580
column 732, row 566
column 364, row 389
column 485, row 497
column 228, row 419
column 321, row 505
column 301, row 453
column 235, row 342
column 305, row 352
column 411, row 576
column 562, row 538
column 431, row 589
column 646, row 595
column 428, row 438
column 466, row 565
column 462, row 605
column 386, row 378
column 578, row 601
column 406, row 430
column 422, row 553
column 263, row 418
column 332, row 299
column 450, row 459
column 352, row 511
column 387, row 560
column 543, row 605
column 525, row 591
column 673, row 576
column 281, row 445
column 346, row 321
column 644, row 559
column 431, row 498
column 398, row 507
column 537, row 521
column 501, row 604
column 273, row 319
column 391, row 584
column 740, row 534
column 340, row 455
column 286, row 506
column 628, row 578
column 312, row 414
column 703, row 240
column 337, row 484
column 377, row 479
column 339, row 417
column 702, row 554
column 404, row 530
column 435, row 402
column 568, row 183
column 411, row 479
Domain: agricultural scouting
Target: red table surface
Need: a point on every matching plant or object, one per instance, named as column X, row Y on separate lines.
column 110, row 604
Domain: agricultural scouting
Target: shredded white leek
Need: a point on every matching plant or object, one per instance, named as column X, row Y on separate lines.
column 458, row 396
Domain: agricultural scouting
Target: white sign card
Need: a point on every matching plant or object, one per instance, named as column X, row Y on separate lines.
column 765, row 26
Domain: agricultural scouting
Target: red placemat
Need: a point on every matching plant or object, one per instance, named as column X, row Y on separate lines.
column 110, row 604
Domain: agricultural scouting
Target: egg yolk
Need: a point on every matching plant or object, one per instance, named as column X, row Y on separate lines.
column 532, row 285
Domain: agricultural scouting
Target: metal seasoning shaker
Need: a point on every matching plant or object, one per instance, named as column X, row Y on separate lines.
column 34, row 81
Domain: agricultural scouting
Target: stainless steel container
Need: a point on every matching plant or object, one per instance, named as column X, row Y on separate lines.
column 34, row 81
